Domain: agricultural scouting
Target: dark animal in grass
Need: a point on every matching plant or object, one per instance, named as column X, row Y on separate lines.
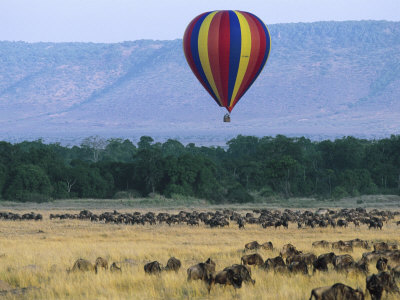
column 100, row 263
column 227, row 277
column 298, row 267
column 82, row 265
column 241, row 222
column 381, row 264
column 337, row 245
column 243, row 271
column 267, row 246
column 153, row 267
column 330, row 257
column 308, row 258
column 115, row 268
column 252, row 259
column 173, row 264
column 289, row 250
column 360, row 266
column 395, row 272
column 323, row 244
column 342, row 262
column 277, row 264
column 359, row 243
column 321, row 263
column 252, row 246
column 381, row 246
column 378, row 283
column 210, row 261
column 338, row 291
column 201, row 271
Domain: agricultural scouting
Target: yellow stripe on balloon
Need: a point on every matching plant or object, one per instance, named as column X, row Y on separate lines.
column 244, row 54
column 203, row 52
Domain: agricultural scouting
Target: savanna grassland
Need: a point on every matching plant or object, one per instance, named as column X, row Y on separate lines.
column 38, row 253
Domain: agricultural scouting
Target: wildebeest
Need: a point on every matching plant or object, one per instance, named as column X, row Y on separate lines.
column 359, row 243
column 267, row 246
column 241, row 222
column 153, row 267
column 308, row 258
column 227, row 277
column 323, row 244
column 381, row 264
column 252, row 259
column 100, row 263
column 210, row 262
column 395, row 272
column 115, row 268
column 381, row 246
column 289, row 250
column 375, row 224
column 378, row 283
column 360, row 266
column 321, row 263
column 201, row 271
column 243, row 271
column 343, row 262
column 277, row 264
column 173, row 264
column 338, row 244
column 82, row 265
column 252, row 246
column 338, row 291
column 345, row 248
column 298, row 267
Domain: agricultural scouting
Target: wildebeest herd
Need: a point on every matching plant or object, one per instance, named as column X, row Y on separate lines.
column 384, row 256
column 374, row 219
column 294, row 261
column 18, row 217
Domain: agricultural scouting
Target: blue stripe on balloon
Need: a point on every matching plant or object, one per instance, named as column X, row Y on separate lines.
column 234, row 52
column 195, row 54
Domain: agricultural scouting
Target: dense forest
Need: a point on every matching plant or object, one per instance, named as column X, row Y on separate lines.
column 248, row 167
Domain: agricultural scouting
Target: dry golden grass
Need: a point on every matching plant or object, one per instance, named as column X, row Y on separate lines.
column 32, row 259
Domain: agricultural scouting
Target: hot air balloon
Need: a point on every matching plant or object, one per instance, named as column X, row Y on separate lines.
column 226, row 51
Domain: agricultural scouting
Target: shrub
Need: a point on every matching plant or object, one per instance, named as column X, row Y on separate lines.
column 238, row 194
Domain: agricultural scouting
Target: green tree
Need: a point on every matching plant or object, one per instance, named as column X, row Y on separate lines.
column 172, row 148
column 145, row 142
column 149, row 168
column 118, row 150
column 3, row 177
column 28, row 180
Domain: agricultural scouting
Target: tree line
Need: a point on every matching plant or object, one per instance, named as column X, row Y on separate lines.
column 247, row 168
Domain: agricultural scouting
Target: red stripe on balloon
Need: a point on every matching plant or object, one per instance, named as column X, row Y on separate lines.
column 213, row 52
column 224, row 47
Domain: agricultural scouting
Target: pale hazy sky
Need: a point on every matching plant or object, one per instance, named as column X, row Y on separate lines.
column 124, row 20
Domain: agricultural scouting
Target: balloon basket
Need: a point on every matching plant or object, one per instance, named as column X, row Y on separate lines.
column 227, row 118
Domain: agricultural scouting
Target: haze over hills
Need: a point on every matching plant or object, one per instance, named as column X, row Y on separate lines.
column 324, row 79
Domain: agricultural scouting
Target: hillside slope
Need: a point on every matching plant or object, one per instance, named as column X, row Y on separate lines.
column 324, row 78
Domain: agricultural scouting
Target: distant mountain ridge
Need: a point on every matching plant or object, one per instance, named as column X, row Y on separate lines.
column 323, row 78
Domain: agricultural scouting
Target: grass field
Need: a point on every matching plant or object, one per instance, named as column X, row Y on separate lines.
column 37, row 254
column 184, row 202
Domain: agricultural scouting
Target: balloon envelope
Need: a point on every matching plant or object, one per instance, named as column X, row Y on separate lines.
column 226, row 50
